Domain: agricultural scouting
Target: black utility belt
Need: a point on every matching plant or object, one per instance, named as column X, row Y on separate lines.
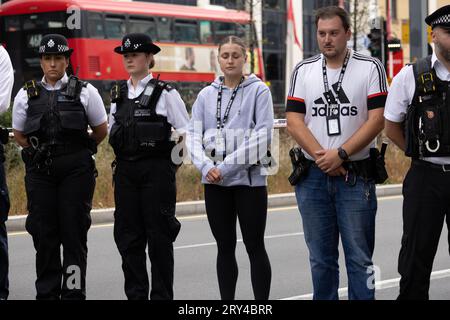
column 362, row 168
column 142, row 157
column 62, row 149
column 445, row 168
column 372, row 168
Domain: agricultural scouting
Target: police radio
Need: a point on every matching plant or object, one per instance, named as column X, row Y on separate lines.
column 32, row 89
column 145, row 98
column 73, row 85
column 115, row 92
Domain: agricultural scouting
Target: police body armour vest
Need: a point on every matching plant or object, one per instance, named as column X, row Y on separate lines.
column 55, row 118
column 139, row 132
column 427, row 127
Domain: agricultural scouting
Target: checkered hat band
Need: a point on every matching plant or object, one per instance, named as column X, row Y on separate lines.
column 62, row 48
column 442, row 20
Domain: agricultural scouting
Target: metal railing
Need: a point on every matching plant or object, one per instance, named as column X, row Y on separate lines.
column 277, row 124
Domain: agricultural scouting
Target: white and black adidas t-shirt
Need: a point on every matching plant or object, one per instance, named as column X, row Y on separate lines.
column 364, row 88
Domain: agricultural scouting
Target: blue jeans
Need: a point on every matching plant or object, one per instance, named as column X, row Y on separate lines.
column 329, row 207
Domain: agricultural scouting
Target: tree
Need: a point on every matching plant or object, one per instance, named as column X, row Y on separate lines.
column 360, row 19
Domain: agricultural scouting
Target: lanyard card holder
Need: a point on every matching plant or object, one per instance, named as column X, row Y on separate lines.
column 333, row 122
column 220, row 143
column 333, row 119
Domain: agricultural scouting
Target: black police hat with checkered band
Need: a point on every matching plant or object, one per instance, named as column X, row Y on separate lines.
column 54, row 44
column 441, row 18
column 137, row 42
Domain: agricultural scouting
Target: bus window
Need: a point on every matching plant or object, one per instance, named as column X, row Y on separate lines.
column 186, row 31
column 142, row 25
column 206, row 34
column 50, row 20
column 95, row 25
column 243, row 31
column 115, row 27
column 12, row 24
column 223, row 29
column 164, row 27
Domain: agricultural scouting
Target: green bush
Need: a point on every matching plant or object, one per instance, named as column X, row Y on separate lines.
column 189, row 187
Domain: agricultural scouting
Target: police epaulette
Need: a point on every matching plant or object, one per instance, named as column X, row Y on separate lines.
column 163, row 84
column 32, row 89
column 168, row 87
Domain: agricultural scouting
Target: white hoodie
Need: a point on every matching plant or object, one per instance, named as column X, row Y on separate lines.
column 247, row 132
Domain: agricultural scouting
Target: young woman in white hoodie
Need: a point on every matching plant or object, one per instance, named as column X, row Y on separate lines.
column 228, row 139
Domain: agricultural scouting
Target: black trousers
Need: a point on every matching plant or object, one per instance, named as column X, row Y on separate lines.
column 4, row 263
column 59, row 204
column 145, row 197
column 426, row 205
column 4, row 209
column 223, row 206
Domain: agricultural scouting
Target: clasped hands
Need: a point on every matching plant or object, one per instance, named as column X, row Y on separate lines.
column 330, row 163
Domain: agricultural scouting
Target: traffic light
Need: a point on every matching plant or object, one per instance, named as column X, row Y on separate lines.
column 376, row 43
column 394, row 45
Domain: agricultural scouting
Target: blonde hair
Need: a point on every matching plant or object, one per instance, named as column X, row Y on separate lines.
column 233, row 40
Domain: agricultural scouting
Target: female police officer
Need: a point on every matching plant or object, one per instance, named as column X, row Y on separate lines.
column 50, row 120
column 142, row 115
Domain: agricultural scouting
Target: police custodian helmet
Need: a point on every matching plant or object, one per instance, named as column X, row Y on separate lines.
column 54, row 44
column 441, row 18
column 137, row 42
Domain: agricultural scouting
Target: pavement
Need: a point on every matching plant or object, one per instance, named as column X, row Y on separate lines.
column 188, row 208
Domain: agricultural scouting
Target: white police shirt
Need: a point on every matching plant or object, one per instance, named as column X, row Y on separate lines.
column 364, row 87
column 89, row 96
column 170, row 105
column 401, row 95
column 6, row 80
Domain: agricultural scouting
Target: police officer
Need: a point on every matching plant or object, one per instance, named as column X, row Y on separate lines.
column 50, row 121
column 418, row 121
column 6, row 84
column 143, row 112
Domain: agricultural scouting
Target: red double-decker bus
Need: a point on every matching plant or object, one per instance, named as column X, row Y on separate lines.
column 187, row 35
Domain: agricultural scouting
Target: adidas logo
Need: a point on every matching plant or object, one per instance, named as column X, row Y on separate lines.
column 321, row 108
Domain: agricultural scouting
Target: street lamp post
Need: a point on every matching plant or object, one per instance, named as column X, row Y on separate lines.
column 252, row 40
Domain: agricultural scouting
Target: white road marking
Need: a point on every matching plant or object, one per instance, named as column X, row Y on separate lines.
column 379, row 285
column 238, row 240
column 203, row 216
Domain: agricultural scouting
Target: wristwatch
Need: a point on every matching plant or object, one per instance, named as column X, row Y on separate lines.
column 342, row 154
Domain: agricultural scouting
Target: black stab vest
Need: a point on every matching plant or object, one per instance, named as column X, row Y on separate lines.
column 427, row 127
column 138, row 132
column 56, row 119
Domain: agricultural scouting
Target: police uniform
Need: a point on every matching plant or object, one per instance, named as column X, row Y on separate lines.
column 6, row 84
column 60, row 173
column 140, row 125
column 420, row 98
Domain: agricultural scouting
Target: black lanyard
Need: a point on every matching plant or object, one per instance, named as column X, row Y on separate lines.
column 221, row 124
column 326, row 85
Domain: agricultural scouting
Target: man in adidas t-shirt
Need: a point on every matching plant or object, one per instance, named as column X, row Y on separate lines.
column 334, row 112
